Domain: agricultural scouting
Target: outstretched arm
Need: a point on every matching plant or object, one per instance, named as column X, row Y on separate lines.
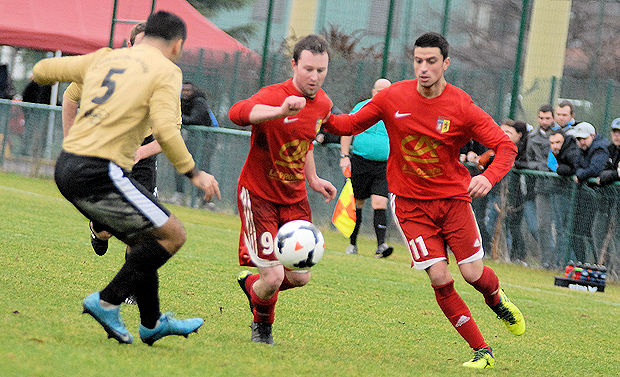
column 246, row 112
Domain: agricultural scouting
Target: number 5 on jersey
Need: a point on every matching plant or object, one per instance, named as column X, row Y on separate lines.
column 109, row 84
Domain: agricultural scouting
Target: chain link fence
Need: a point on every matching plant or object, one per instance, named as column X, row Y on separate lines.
column 534, row 218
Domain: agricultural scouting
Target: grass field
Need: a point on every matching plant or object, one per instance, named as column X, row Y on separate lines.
column 359, row 316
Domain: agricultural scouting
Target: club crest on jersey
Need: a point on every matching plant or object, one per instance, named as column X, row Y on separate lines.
column 443, row 125
column 319, row 122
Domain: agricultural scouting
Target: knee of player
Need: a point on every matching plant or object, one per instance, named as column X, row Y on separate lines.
column 298, row 279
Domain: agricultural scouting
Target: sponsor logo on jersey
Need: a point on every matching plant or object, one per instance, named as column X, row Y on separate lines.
column 288, row 120
column 443, row 125
column 420, row 149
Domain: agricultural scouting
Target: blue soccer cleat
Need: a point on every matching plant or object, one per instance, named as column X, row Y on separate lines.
column 110, row 319
column 168, row 325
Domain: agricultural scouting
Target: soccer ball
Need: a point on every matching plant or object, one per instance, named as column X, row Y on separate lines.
column 299, row 245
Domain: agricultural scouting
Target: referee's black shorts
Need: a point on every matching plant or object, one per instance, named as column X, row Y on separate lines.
column 107, row 195
column 368, row 177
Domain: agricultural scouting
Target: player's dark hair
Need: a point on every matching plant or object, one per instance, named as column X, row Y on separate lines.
column 558, row 130
column 546, row 109
column 570, row 106
column 432, row 39
column 313, row 43
column 165, row 25
column 139, row 28
column 521, row 127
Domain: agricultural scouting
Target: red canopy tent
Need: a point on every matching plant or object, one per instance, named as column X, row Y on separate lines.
column 83, row 26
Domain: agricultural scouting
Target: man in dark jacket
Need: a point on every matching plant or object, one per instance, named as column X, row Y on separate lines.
column 611, row 173
column 590, row 163
column 564, row 148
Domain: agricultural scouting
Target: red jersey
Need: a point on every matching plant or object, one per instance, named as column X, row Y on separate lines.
column 426, row 135
column 274, row 168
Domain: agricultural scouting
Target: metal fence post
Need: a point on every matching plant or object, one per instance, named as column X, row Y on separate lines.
column 608, row 96
column 554, row 81
column 6, row 117
column 446, row 17
column 388, row 36
column 261, row 82
column 517, row 69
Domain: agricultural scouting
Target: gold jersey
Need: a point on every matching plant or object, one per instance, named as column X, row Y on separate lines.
column 125, row 93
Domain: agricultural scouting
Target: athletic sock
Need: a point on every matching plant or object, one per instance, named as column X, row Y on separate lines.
column 488, row 285
column 358, row 223
column 139, row 275
column 380, row 225
column 286, row 284
column 264, row 309
column 457, row 312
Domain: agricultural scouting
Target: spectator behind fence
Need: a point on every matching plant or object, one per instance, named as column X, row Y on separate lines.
column 566, row 153
column 540, row 158
column 611, row 172
column 367, row 164
column 6, row 85
column 591, row 161
column 517, row 132
column 34, row 93
column 195, row 112
column 565, row 116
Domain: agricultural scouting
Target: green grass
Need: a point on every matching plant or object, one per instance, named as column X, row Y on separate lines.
column 359, row 316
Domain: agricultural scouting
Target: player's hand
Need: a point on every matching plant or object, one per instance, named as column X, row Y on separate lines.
column 141, row 153
column 472, row 157
column 324, row 188
column 207, row 183
column 345, row 163
column 292, row 105
column 479, row 186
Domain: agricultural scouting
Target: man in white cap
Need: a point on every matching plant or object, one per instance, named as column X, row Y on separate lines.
column 594, row 153
column 590, row 164
column 611, row 172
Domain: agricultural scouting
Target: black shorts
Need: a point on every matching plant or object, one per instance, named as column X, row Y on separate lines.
column 368, row 177
column 145, row 170
column 105, row 194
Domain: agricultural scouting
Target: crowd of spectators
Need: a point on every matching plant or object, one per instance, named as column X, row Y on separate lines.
column 575, row 152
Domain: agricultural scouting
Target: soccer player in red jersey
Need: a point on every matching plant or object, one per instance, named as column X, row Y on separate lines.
column 285, row 118
column 427, row 121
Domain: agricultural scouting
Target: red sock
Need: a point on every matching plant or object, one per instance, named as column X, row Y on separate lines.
column 264, row 309
column 488, row 285
column 285, row 284
column 457, row 312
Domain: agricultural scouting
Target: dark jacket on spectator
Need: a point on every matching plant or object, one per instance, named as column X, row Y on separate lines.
column 568, row 156
column 610, row 173
column 592, row 162
column 195, row 111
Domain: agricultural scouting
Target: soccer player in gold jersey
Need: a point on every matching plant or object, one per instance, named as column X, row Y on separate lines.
column 125, row 92
column 145, row 169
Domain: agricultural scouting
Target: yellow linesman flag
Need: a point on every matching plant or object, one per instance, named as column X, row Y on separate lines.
column 344, row 213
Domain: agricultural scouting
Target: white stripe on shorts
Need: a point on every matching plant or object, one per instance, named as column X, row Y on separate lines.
column 418, row 265
column 142, row 203
column 250, row 237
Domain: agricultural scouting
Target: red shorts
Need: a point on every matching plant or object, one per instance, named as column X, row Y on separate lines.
column 427, row 226
column 260, row 221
